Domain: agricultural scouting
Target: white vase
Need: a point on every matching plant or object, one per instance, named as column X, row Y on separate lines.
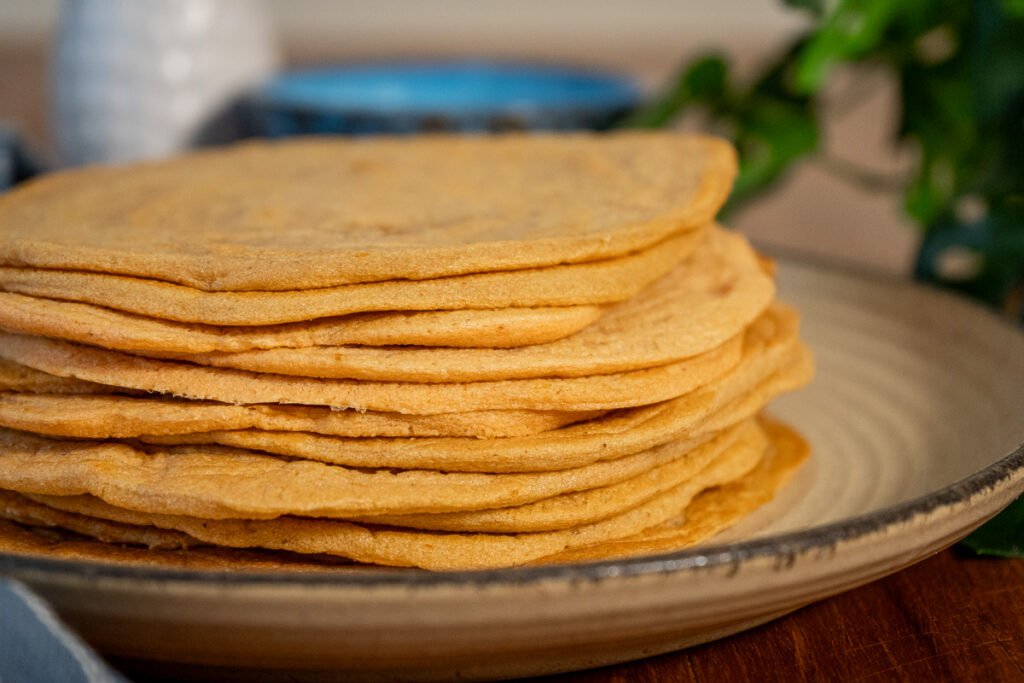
column 144, row 79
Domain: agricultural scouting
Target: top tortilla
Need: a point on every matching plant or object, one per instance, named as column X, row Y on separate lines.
column 313, row 213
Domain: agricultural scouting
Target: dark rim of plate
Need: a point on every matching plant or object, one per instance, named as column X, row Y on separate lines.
column 785, row 548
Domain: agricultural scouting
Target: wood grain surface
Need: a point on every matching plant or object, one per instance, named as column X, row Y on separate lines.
column 949, row 618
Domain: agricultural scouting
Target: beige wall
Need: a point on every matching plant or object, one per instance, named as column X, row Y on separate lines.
column 646, row 37
column 486, row 22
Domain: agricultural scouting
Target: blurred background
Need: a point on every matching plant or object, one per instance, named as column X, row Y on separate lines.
column 647, row 40
column 864, row 126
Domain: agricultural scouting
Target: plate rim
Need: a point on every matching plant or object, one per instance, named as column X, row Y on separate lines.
column 789, row 544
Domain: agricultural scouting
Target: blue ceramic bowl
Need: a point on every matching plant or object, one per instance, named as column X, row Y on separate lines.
column 438, row 96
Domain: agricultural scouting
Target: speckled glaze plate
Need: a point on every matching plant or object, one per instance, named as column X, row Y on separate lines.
column 916, row 419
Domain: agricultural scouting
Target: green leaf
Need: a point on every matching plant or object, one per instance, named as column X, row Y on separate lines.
column 931, row 192
column 815, row 7
column 852, row 30
column 772, row 135
column 1014, row 8
column 1003, row 536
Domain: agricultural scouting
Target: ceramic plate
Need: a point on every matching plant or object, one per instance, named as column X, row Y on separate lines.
column 916, row 419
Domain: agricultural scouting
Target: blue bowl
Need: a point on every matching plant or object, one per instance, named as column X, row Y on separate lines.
column 438, row 96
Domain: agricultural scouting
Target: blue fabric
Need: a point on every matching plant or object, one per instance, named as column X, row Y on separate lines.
column 36, row 647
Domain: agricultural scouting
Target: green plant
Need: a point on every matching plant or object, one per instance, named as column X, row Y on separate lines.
column 959, row 69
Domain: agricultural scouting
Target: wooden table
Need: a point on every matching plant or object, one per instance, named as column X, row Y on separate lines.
column 948, row 618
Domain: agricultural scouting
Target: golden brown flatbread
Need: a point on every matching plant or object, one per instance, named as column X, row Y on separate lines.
column 105, row 327
column 599, row 392
column 215, row 482
column 703, row 302
column 597, row 282
column 401, row 547
column 712, row 511
column 320, row 212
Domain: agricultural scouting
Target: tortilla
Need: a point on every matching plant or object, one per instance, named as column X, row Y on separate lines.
column 42, row 541
column 108, row 416
column 311, row 213
column 702, row 303
column 15, row 377
column 105, row 327
column 745, row 440
column 712, row 511
column 215, row 482
column 773, row 361
column 706, row 410
column 401, row 547
column 597, row 282
column 599, row 392
column 17, row 508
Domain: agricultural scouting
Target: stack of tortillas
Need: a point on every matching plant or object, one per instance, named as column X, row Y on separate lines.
column 438, row 352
